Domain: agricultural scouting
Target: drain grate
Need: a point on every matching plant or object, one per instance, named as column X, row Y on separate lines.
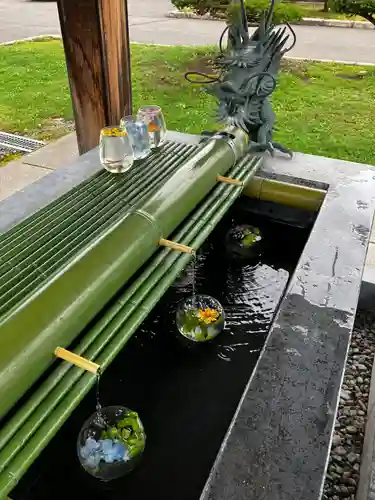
column 14, row 142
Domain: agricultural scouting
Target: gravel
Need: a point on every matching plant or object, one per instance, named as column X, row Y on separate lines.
column 344, row 463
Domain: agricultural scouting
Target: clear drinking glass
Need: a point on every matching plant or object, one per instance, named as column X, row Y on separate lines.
column 116, row 153
column 138, row 136
column 153, row 117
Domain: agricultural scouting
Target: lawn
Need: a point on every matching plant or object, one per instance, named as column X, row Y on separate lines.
column 312, row 9
column 323, row 109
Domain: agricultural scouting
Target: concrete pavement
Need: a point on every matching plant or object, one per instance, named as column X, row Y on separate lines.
column 148, row 24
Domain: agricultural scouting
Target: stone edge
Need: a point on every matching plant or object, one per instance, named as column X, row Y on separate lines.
column 306, row 21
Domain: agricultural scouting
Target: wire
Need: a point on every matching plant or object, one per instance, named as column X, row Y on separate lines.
column 294, row 39
column 222, row 38
column 207, row 78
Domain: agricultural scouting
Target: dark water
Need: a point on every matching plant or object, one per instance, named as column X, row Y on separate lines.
column 185, row 394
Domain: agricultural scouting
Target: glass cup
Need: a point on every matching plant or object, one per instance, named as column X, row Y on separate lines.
column 153, row 117
column 138, row 136
column 115, row 151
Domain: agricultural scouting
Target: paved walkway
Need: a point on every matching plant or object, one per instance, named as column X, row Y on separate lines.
column 25, row 18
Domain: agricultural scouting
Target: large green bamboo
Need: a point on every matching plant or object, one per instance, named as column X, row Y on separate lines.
column 163, row 276
column 108, row 325
column 285, row 193
column 58, row 310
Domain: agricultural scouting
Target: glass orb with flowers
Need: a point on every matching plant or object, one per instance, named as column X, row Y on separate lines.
column 200, row 318
column 111, row 442
column 244, row 241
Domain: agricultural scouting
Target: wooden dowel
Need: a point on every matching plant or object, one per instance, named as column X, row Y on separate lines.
column 229, row 180
column 70, row 357
column 175, row 246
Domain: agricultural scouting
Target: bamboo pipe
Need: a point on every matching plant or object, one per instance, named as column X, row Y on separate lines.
column 60, row 376
column 89, row 280
column 175, row 246
column 285, row 193
column 208, row 209
column 76, row 360
column 229, row 180
column 40, row 439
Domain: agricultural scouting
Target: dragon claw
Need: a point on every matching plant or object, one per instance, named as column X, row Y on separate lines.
column 271, row 147
column 283, row 149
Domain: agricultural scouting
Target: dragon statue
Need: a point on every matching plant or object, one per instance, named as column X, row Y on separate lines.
column 247, row 76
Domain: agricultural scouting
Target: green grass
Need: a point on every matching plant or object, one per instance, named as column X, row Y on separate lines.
column 316, row 10
column 322, row 109
column 7, row 158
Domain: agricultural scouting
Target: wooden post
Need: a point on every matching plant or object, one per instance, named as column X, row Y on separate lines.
column 96, row 42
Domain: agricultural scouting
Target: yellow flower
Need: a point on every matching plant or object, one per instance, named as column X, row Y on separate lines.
column 114, row 132
column 208, row 315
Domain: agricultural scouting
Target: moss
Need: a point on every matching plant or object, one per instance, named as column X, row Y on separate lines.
column 9, row 157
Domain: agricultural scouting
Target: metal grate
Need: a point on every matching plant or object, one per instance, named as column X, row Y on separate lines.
column 42, row 244
column 14, row 142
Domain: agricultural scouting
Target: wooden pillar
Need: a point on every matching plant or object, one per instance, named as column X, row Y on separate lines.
column 96, row 42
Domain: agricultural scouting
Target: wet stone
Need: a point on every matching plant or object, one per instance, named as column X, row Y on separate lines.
column 345, row 395
column 339, row 451
column 336, row 440
column 351, row 429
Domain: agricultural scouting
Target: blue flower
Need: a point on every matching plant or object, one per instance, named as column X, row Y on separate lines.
column 119, row 450
column 90, row 447
column 106, row 446
column 93, row 460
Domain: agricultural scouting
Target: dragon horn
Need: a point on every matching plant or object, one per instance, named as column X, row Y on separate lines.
column 270, row 14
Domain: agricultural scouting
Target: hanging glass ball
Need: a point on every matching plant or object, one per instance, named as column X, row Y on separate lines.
column 200, row 318
column 111, row 442
column 244, row 241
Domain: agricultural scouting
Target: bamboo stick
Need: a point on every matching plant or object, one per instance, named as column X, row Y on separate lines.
column 41, row 433
column 79, row 361
column 229, row 180
column 175, row 246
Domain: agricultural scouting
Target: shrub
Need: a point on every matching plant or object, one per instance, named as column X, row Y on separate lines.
column 202, row 7
column 364, row 8
column 284, row 12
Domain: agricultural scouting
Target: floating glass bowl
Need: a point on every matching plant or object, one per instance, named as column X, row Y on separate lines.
column 111, row 442
column 244, row 241
column 200, row 318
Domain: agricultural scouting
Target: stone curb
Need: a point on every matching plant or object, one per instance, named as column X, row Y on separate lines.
column 307, row 21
